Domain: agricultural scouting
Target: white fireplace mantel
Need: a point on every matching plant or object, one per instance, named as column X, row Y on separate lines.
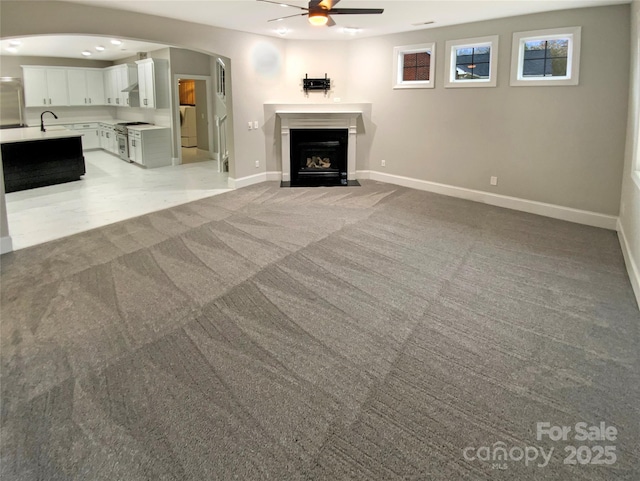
column 318, row 119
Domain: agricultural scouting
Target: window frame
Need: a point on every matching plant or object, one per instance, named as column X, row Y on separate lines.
column 490, row 41
column 221, row 79
column 573, row 57
column 398, row 64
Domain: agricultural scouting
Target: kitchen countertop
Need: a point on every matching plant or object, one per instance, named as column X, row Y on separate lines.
column 28, row 134
column 145, row 127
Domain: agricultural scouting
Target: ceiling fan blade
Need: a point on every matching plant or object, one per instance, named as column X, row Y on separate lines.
column 289, row 16
column 355, row 11
column 330, row 22
column 280, row 3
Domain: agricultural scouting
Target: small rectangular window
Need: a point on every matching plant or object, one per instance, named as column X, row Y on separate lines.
column 413, row 66
column 546, row 57
column 221, row 81
column 472, row 62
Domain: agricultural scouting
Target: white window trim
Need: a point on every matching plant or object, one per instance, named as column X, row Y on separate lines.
column 450, row 80
column 221, row 79
column 573, row 56
column 398, row 53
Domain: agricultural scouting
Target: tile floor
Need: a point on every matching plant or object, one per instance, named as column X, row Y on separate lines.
column 192, row 154
column 112, row 190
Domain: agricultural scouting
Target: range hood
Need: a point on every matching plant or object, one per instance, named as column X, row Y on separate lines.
column 131, row 88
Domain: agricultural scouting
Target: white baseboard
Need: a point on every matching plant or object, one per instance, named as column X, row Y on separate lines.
column 253, row 179
column 274, row 175
column 578, row 216
column 632, row 267
column 6, row 244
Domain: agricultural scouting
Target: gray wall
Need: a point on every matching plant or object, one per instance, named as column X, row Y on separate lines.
column 561, row 145
column 558, row 145
column 188, row 61
column 630, row 202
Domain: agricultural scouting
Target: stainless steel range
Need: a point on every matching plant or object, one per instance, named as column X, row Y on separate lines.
column 122, row 137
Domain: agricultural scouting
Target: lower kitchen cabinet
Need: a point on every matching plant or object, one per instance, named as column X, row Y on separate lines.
column 150, row 146
column 108, row 138
column 90, row 135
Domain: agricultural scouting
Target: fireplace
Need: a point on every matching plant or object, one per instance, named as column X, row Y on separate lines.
column 318, row 157
column 318, row 145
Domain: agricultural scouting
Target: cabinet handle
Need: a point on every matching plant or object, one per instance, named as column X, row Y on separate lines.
column 108, row 100
column 44, row 101
column 118, row 101
column 85, row 100
column 89, row 100
column 49, row 101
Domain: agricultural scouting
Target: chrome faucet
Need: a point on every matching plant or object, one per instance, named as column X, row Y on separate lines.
column 42, row 129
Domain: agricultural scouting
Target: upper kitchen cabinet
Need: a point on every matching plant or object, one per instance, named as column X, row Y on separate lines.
column 119, row 82
column 45, row 86
column 86, row 86
column 153, row 83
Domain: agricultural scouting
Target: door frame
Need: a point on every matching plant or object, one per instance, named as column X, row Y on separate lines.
column 176, row 112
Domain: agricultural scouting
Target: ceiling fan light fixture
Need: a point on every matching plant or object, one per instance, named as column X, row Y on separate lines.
column 318, row 18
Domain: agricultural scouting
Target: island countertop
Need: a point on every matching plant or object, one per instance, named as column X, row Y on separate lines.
column 29, row 134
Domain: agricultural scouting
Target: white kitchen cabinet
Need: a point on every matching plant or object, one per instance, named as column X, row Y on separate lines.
column 107, row 138
column 150, row 147
column 95, row 86
column 90, row 134
column 135, row 146
column 153, row 83
column 45, row 86
column 86, row 86
column 116, row 79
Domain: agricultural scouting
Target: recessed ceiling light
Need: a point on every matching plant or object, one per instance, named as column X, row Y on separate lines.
column 284, row 5
column 15, row 43
column 12, row 50
column 99, row 48
column 86, row 53
column 351, row 30
column 282, row 31
column 420, row 24
column 116, row 42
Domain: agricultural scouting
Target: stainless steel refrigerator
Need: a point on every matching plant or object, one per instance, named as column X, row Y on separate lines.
column 11, row 104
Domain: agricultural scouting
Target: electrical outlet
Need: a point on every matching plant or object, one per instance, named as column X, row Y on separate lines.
column 250, row 124
column 493, row 180
column 257, row 164
column 383, row 163
column 255, row 125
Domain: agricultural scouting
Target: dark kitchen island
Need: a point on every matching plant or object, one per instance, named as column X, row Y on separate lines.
column 31, row 158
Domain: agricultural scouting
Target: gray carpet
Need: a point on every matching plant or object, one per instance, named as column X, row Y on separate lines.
column 366, row 333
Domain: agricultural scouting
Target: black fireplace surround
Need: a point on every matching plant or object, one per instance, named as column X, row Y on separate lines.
column 319, row 157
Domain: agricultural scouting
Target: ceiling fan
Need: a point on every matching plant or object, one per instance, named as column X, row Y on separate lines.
column 320, row 11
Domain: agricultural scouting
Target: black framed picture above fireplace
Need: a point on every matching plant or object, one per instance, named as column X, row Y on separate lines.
column 319, row 157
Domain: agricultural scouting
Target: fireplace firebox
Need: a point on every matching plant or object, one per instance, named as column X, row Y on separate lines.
column 319, row 157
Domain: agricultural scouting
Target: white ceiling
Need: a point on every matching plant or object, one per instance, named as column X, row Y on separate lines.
column 252, row 16
column 71, row 46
